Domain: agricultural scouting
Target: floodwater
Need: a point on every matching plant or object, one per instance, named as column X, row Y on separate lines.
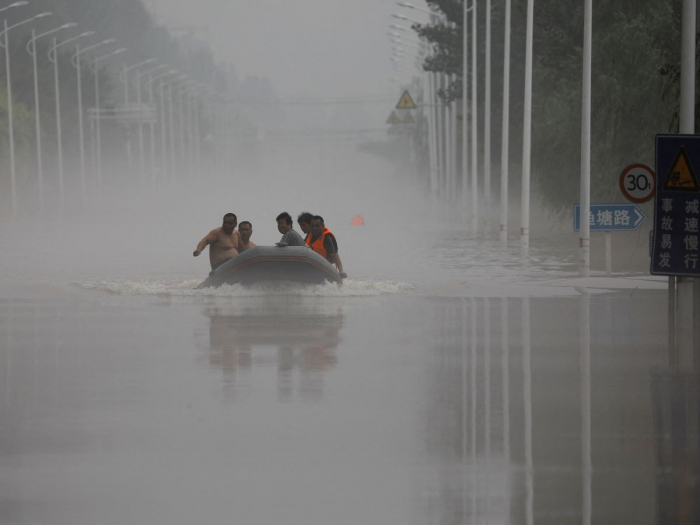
column 448, row 382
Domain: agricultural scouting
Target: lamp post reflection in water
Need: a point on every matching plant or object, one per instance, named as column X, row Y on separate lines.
column 527, row 402
column 585, row 348
column 240, row 338
column 475, row 469
column 505, row 373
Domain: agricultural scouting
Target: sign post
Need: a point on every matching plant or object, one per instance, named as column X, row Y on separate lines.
column 608, row 218
column 676, row 246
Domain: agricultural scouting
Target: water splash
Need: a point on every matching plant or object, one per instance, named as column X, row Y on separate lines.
column 350, row 288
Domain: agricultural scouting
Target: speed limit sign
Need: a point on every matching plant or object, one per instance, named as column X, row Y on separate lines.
column 638, row 183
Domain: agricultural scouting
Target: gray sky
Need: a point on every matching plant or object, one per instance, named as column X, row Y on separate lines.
column 320, row 48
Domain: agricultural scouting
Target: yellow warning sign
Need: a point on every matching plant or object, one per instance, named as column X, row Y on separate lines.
column 393, row 118
column 681, row 177
column 408, row 119
column 406, row 102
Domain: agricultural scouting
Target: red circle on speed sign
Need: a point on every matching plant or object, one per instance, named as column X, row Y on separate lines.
column 638, row 183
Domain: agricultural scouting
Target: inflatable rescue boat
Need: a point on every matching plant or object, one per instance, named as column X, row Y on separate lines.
column 274, row 263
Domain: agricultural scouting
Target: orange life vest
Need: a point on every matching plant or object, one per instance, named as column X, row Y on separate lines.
column 317, row 245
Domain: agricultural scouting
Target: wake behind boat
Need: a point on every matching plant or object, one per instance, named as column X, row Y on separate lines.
column 274, row 263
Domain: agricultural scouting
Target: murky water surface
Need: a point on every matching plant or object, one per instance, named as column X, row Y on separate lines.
column 406, row 396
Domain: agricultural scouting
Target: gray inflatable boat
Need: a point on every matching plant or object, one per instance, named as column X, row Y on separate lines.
column 274, row 263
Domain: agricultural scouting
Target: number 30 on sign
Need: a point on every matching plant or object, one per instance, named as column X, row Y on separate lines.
column 638, row 183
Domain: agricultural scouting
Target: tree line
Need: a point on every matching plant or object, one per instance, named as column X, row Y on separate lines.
column 636, row 52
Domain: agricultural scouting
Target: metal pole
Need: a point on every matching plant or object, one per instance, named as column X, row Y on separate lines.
column 98, row 138
column 439, row 135
column 474, row 154
column 448, row 145
column 197, row 136
column 81, row 131
column 190, row 134
column 527, row 128
column 172, row 131
column 487, row 123
column 431, row 133
column 37, row 112
column 163, row 145
column 585, row 210
column 685, row 286
column 140, row 125
column 465, row 108
column 153, row 133
column 59, row 136
column 13, row 173
column 181, row 126
column 505, row 127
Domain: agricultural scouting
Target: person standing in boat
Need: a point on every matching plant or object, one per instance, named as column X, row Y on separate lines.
column 290, row 237
column 322, row 241
column 245, row 229
column 224, row 242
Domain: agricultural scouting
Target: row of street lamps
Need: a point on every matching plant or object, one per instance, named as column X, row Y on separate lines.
column 443, row 119
column 191, row 95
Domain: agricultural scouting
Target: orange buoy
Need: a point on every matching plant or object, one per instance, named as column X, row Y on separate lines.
column 358, row 220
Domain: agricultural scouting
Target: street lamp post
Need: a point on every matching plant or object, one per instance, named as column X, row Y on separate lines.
column 124, row 77
column 98, row 143
column 53, row 57
column 149, row 83
column 31, row 49
column 161, row 117
column 6, row 45
column 527, row 129
column 75, row 60
column 170, row 137
column 465, row 98
column 474, row 156
column 506, row 123
column 487, row 123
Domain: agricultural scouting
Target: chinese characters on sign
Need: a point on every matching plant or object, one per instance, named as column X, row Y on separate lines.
column 611, row 217
column 676, row 250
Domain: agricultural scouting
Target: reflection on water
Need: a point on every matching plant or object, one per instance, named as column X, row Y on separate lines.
column 676, row 401
column 298, row 338
column 557, row 429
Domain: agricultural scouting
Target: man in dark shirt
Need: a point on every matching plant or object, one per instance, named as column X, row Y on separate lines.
column 328, row 247
column 304, row 222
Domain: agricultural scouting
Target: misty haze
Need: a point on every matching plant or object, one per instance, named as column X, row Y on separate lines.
column 363, row 262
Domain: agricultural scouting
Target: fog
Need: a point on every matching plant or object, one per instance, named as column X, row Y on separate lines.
column 451, row 378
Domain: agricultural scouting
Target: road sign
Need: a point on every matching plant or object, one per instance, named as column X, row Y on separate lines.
column 406, row 102
column 638, row 183
column 393, row 118
column 408, row 119
column 611, row 217
column 676, row 247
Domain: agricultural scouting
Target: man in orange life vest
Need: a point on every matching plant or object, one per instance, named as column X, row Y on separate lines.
column 322, row 241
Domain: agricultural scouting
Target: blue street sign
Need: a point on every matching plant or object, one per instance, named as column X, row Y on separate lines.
column 611, row 217
column 675, row 247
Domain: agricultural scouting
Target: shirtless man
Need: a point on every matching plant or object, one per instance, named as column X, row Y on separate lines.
column 246, row 230
column 224, row 242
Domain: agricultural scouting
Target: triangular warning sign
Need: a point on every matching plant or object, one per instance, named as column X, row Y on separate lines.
column 681, row 177
column 393, row 118
column 406, row 102
column 408, row 119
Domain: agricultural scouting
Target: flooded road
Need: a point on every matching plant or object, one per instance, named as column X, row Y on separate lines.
column 400, row 406
column 449, row 381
